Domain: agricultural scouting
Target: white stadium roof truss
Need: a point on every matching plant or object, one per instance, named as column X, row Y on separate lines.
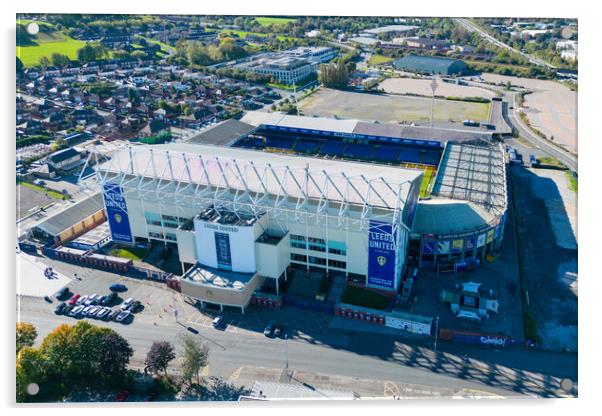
column 253, row 189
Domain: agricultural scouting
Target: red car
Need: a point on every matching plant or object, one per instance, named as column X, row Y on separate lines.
column 73, row 299
column 122, row 396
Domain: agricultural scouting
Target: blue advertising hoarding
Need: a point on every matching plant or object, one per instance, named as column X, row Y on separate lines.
column 222, row 250
column 382, row 244
column 117, row 214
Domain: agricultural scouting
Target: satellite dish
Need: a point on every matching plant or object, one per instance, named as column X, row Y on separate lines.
column 33, row 28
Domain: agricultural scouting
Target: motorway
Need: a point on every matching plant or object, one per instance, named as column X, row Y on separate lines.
column 472, row 27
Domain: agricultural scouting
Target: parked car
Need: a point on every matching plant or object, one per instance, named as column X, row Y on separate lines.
column 86, row 309
column 113, row 314
column 73, row 299
column 59, row 308
column 118, row 287
column 102, row 312
column 62, row 292
column 126, row 304
column 67, row 309
column 279, row 331
column 123, row 315
column 218, row 321
column 94, row 310
column 134, row 306
column 82, row 300
column 76, row 310
column 107, row 299
column 91, row 300
column 269, row 330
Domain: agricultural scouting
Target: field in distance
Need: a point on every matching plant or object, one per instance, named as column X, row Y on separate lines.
column 389, row 108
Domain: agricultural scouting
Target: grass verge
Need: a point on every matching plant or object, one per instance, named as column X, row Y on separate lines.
column 573, row 183
column 363, row 297
column 132, row 253
column 49, row 192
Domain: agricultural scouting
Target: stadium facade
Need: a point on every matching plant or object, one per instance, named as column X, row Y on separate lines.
column 365, row 200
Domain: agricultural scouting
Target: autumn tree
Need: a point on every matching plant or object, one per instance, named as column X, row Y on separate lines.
column 195, row 357
column 26, row 335
column 159, row 356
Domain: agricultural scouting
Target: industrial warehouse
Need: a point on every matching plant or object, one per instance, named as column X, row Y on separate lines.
column 364, row 201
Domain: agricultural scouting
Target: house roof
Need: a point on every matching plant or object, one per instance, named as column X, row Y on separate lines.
column 74, row 214
column 62, row 155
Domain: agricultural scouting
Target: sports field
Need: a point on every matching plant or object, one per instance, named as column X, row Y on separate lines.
column 266, row 21
column 389, row 108
column 243, row 34
column 30, row 48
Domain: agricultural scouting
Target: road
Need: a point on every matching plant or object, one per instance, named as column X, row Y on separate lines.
column 343, row 353
column 565, row 157
column 472, row 27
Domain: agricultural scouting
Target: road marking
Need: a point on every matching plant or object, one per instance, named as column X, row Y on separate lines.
column 390, row 389
column 236, row 373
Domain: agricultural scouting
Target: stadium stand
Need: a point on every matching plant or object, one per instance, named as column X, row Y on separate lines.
column 281, row 142
column 389, row 153
column 332, row 148
column 409, row 155
column 307, row 146
column 358, row 150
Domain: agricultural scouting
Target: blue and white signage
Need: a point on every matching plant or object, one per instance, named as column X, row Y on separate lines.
column 117, row 214
column 222, row 250
column 382, row 246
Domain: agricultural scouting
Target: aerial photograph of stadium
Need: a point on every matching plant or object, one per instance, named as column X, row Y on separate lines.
column 267, row 208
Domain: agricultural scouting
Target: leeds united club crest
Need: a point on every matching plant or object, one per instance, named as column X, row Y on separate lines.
column 117, row 218
column 381, row 260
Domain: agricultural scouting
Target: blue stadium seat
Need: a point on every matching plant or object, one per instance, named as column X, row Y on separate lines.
column 386, row 153
column 431, row 158
column 332, row 148
column 307, row 146
column 281, row 142
column 409, row 155
column 358, row 150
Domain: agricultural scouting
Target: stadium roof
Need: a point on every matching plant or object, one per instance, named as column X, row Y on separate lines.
column 223, row 279
column 445, row 216
column 234, row 177
column 258, row 118
column 391, row 28
column 473, row 173
column 223, row 134
column 76, row 213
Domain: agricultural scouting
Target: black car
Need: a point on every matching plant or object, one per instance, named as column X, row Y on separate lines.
column 107, row 299
column 279, row 331
column 133, row 307
column 60, row 308
column 269, row 330
column 61, row 293
column 67, row 309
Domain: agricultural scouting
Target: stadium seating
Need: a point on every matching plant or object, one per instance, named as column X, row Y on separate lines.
column 281, row 142
column 332, row 148
column 431, row 158
column 358, row 150
column 307, row 146
column 386, row 153
column 409, row 155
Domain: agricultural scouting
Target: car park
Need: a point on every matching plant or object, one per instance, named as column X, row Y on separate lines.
column 126, row 303
column 107, row 299
column 279, row 331
column 103, row 312
column 73, row 299
column 93, row 310
column 123, row 315
column 218, row 321
column 85, row 309
column 82, row 300
column 67, row 309
column 61, row 293
column 60, row 308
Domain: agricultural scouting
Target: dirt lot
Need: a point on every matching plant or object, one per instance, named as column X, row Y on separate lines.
column 423, row 87
column 551, row 108
column 388, row 108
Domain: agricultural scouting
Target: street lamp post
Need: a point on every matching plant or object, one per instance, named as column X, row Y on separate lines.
column 433, row 88
column 286, row 351
column 436, row 332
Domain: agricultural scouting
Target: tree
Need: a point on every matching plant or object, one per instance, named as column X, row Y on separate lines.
column 31, row 368
column 58, row 144
column 115, row 354
column 195, row 357
column 26, row 335
column 159, row 356
column 44, row 62
column 19, row 66
column 59, row 60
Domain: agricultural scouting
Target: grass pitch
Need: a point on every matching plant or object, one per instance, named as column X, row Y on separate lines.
column 266, row 21
column 30, row 48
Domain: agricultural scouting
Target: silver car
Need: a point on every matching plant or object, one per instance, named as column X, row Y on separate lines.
column 76, row 310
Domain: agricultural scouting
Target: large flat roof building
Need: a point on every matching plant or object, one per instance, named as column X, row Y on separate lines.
column 431, row 65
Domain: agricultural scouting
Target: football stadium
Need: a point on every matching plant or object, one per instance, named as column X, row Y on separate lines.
column 248, row 199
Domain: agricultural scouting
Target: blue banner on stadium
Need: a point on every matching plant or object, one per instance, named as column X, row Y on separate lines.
column 222, row 250
column 117, row 214
column 381, row 254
